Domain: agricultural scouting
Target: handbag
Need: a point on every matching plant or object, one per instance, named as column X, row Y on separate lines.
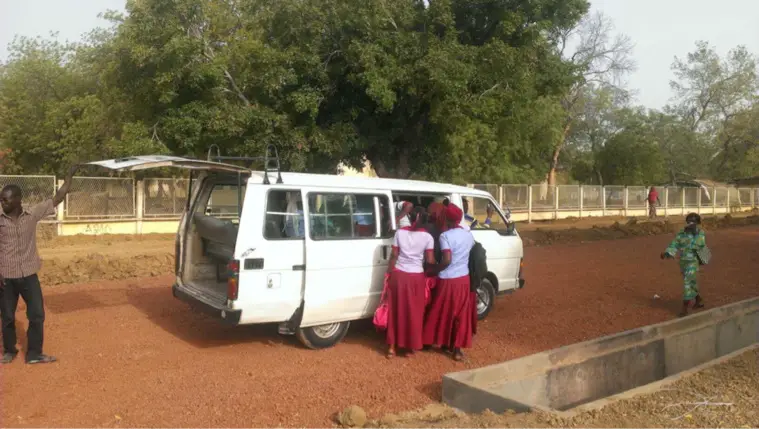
column 704, row 255
column 430, row 283
column 381, row 313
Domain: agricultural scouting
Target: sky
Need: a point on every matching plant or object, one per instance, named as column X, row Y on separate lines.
column 660, row 30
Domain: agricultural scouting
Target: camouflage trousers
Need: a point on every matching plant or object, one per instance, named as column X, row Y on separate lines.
column 689, row 270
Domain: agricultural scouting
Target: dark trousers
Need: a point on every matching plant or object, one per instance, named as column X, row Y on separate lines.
column 29, row 289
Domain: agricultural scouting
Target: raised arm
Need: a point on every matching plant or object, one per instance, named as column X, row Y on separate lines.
column 673, row 247
column 64, row 189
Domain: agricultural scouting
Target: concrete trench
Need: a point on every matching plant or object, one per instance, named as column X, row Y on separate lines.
column 588, row 375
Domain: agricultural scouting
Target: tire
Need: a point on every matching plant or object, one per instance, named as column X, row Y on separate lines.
column 485, row 298
column 322, row 336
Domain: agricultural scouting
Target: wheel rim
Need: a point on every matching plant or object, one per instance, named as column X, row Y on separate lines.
column 326, row 331
column 483, row 300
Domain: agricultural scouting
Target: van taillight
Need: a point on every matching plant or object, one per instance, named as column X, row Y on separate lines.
column 521, row 267
column 233, row 273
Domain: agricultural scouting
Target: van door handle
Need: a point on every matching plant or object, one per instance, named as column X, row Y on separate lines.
column 299, row 268
column 384, row 252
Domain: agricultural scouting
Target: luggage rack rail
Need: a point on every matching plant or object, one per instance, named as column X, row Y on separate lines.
column 270, row 161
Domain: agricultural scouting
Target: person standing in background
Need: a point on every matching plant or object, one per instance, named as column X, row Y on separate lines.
column 19, row 265
column 653, row 201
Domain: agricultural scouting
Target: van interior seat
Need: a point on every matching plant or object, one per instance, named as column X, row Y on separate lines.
column 218, row 236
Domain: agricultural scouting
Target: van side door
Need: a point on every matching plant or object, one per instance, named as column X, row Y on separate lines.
column 348, row 246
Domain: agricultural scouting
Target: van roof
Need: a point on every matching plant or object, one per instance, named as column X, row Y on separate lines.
column 335, row 181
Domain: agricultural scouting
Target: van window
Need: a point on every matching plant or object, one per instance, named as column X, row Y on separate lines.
column 345, row 216
column 418, row 199
column 482, row 214
column 222, row 203
column 284, row 215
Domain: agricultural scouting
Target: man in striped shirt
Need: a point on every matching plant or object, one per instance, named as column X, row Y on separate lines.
column 19, row 264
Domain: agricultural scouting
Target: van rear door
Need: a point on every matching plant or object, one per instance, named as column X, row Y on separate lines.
column 145, row 162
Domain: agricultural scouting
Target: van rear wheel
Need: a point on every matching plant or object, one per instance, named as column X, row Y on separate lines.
column 485, row 298
column 322, row 336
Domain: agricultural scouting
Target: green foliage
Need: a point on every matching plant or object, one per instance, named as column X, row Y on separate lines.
column 453, row 90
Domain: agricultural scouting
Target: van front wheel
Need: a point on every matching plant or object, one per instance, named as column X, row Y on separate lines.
column 322, row 336
column 485, row 298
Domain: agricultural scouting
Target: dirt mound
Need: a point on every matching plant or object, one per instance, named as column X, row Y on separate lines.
column 631, row 228
column 96, row 266
column 721, row 396
column 541, row 237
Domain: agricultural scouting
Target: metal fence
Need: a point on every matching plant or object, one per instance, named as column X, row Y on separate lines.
column 165, row 197
column 34, row 189
column 542, row 197
column 94, row 198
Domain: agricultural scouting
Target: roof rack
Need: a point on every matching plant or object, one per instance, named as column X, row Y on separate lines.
column 270, row 160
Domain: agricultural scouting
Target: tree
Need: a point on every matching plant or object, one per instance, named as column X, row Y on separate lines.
column 451, row 90
column 599, row 60
column 715, row 97
column 603, row 108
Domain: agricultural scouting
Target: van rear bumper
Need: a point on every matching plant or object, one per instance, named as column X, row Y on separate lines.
column 219, row 311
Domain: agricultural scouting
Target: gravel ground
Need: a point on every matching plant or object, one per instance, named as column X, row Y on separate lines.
column 724, row 396
column 133, row 356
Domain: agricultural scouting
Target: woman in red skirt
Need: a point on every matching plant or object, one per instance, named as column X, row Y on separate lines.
column 412, row 247
column 450, row 320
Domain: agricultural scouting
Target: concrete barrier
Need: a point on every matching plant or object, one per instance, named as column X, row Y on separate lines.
column 581, row 376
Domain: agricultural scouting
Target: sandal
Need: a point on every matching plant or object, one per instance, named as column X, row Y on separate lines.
column 458, row 356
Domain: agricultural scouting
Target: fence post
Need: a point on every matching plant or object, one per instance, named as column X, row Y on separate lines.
column 666, row 201
column 603, row 201
column 727, row 201
column 60, row 211
column 752, row 197
column 555, row 202
column 698, row 200
column 140, row 200
column 529, row 203
column 682, row 199
column 714, row 200
column 627, row 200
column 581, row 199
column 500, row 196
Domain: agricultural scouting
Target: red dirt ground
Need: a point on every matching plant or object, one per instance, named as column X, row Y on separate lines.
column 131, row 355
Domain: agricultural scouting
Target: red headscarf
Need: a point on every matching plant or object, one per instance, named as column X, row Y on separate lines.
column 436, row 212
column 453, row 213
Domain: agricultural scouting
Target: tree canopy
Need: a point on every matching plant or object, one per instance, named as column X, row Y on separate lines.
column 451, row 90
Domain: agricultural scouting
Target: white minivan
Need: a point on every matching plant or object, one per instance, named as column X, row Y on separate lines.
column 308, row 251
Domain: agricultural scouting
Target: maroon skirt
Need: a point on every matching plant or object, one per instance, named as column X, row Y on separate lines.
column 451, row 318
column 406, row 303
